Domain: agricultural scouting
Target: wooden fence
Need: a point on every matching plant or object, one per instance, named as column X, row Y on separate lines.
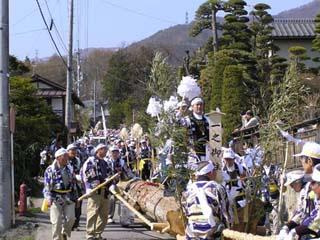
column 307, row 131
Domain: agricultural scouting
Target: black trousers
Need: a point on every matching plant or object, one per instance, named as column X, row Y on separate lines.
column 78, row 207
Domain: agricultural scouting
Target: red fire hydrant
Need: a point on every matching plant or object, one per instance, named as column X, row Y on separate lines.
column 23, row 199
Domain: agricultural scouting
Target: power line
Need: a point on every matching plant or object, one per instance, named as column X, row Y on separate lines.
column 54, row 43
column 139, row 13
column 56, row 28
column 30, row 31
column 24, row 17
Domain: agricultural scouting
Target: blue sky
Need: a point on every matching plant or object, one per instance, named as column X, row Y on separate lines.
column 102, row 23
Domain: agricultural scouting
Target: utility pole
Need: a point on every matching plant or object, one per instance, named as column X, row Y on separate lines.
column 5, row 167
column 187, row 18
column 69, row 88
column 78, row 71
column 94, row 98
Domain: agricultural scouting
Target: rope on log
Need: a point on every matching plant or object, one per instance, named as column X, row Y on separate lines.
column 227, row 233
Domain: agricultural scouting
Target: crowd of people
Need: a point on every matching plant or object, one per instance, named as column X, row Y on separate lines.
column 79, row 168
column 216, row 190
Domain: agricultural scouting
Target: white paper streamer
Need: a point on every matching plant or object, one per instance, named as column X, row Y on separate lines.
column 189, row 88
column 171, row 104
column 154, row 107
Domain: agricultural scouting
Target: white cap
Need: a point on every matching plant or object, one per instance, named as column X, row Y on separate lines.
column 60, row 152
column 114, row 148
column 316, row 173
column 143, row 141
column 294, row 176
column 205, row 170
column 71, row 147
column 310, row 149
column 101, row 145
column 196, row 101
column 228, row 153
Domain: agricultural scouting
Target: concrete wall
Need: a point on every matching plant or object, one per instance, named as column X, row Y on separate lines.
column 285, row 44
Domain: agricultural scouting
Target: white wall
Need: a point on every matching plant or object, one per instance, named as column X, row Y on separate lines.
column 285, row 44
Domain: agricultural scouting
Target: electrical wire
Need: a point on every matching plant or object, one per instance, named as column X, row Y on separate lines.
column 30, row 31
column 24, row 17
column 52, row 39
column 138, row 13
column 56, row 28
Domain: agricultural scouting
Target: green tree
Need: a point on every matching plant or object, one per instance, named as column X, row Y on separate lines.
column 236, row 40
column 126, row 83
column 262, row 47
column 35, row 122
column 232, row 99
column 117, row 79
column 52, row 68
column 17, row 67
column 236, row 33
column 206, row 19
column 162, row 82
column 215, row 69
column 288, row 99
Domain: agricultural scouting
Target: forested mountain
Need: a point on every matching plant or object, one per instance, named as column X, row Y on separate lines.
column 309, row 10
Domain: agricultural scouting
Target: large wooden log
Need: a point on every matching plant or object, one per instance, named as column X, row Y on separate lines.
column 150, row 200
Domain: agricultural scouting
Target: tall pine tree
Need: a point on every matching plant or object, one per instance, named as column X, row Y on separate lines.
column 263, row 47
column 236, row 34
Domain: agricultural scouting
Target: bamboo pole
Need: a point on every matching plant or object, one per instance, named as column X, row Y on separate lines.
column 282, row 182
column 108, row 180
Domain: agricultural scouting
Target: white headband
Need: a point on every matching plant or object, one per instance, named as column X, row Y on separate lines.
column 196, row 101
column 206, row 169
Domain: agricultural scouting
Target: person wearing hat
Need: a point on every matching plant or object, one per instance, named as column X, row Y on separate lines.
column 198, row 128
column 297, row 181
column 118, row 165
column 309, row 228
column 207, row 207
column 131, row 154
column 145, row 156
column 76, row 165
column 236, row 172
column 60, row 195
column 309, row 157
column 182, row 108
column 94, row 172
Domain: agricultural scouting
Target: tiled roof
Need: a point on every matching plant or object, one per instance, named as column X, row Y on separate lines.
column 50, row 93
column 293, row 28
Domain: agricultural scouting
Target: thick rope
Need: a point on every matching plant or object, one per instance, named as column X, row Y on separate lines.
column 244, row 236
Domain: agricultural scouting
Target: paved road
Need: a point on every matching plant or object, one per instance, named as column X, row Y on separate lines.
column 112, row 232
